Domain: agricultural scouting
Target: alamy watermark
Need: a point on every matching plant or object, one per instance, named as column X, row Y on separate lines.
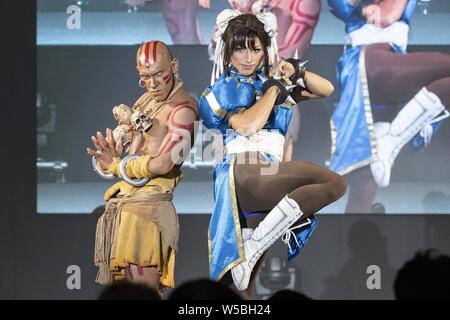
column 373, row 282
column 73, row 20
column 73, row 281
column 213, row 145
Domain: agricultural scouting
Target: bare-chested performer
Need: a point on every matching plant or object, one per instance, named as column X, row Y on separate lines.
column 137, row 235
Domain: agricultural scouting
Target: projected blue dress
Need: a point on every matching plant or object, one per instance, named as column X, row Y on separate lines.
column 352, row 127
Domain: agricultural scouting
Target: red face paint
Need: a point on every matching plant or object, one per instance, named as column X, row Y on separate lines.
column 140, row 57
column 155, row 44
column 166, row 79
column 146, row 52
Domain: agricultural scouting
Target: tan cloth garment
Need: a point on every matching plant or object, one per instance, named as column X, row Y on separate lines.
column 139, row 226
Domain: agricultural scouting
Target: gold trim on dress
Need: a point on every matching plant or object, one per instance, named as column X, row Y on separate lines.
column 354, row 167
column 367, row 103
column 235, row 207
column 214, row 104
column 333, row 136
column 368, row 116
column 209, row 250
column 236, row 223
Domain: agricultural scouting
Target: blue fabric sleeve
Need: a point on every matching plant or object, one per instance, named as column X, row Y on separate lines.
column 219, row 101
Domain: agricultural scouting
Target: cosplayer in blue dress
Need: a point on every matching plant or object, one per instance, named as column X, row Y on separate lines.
column 252, row 113
column 219, row 101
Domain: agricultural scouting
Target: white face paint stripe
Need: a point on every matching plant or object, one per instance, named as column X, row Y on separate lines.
column 214, row 104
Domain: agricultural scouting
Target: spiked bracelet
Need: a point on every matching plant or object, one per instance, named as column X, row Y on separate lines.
column 299, row 75
column 284, row 93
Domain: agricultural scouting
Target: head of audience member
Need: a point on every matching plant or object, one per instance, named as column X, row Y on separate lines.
column 425, row 276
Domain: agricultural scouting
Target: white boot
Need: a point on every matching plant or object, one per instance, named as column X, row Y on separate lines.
column 246, row 233
column 274, row 225
column 416, row 115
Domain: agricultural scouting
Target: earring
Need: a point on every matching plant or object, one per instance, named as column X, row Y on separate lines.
column 141, row 84
column 177, row 76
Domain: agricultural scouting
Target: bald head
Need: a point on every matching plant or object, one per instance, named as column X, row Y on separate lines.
column 156, row 68
column 151, row 52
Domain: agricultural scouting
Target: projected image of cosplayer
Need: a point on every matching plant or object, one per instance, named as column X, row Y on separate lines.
column 377, row 73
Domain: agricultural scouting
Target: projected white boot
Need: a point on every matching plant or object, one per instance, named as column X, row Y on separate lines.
column 274, row 225
column 416, row 115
